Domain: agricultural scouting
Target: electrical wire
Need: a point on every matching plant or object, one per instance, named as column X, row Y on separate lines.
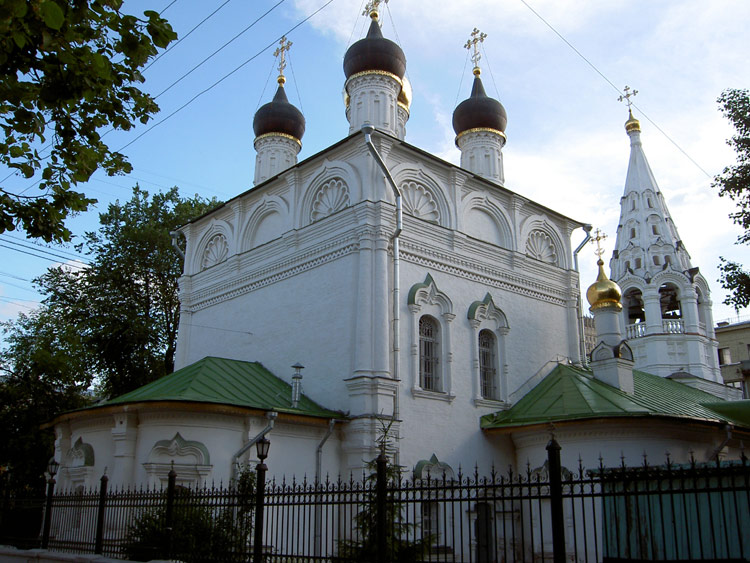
column 179, row 40
column 42, row 248
column 616, row 89
column 217, row 51
column 294, row 79
column 223, row 78
column 44, row 257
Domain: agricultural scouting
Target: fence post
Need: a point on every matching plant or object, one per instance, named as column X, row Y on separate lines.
column 169, row 516
column 260, row 490
column 48, row 513
column 380, row 508
column 554, row 468
column 100, row 515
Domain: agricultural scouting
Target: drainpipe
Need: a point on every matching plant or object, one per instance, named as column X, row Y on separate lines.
column 715, row 455
column 318, row 469
column 368, row 129
column 175, row 235
column 271, row 416
column 582, row 359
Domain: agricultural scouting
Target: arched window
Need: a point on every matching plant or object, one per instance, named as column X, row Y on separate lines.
column 429, row 353
column 632, row 233
column 655, row 229
column 633, row 303
column 670, row 302
column 637, row 263
column 656, row 260
column 488, row 364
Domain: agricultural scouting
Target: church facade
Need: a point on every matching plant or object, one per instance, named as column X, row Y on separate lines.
column 373, row 288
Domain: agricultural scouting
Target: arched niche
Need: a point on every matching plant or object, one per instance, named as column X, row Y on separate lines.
column 334, row 186
column 485, row 221
column 422, row 196
column 267, row 221
column 215, row 245
column 542, row 241
column 189, row 458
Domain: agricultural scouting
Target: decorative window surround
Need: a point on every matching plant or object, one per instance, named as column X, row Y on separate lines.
column 426, row 299
column 190, row 458
column 484, row 315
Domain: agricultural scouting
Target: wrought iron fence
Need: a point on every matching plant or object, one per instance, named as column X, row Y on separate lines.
column 668, row 512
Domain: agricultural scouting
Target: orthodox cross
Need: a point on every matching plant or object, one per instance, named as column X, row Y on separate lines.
column 371, row 8
column 284, row 46
column 627, row 95
column 477, row 37
column 600, row 236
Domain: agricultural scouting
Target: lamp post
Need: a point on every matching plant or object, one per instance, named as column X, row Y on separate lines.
column 262, row 446
column 52, row 468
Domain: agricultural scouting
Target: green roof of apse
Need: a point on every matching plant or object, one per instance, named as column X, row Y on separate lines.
column 569, row 394
column 225, row 382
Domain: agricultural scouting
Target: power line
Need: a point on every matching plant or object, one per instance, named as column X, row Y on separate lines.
column 42, row 248
column 219, row 49
column 616, row 89
column 43, row 257
column 173, row 45
column 14, row 276
column 222, row 79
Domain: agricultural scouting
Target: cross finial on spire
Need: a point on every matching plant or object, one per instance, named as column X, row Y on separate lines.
column 477, row 37
column 284, row 46
column 627, row 95
column 371, row 8
column 598, row 238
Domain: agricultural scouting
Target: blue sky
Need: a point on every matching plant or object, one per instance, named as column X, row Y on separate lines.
column 567, row 147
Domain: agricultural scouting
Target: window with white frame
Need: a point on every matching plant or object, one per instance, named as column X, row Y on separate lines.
column 488, row 364
column 429, row 353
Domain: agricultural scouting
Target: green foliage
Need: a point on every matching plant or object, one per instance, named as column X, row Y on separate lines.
column 69, row 68
column 113, row 324
column 41, row 375
column 399, row 548
column 199, row 533
column 734, row 183
column 125, row 306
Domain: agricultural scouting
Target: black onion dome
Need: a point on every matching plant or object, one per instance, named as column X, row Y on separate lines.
column 279, row 116
column 479, row 111
column 375, row 52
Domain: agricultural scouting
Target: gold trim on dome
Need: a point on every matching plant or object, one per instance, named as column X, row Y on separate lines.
column 632, row 124
column 604, row 293
column 404, row 106
column 481, row 130
column 277, row 134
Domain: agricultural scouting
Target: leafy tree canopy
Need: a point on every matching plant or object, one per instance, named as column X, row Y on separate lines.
column 734, row 183
column 69, row 68
column 112, row 324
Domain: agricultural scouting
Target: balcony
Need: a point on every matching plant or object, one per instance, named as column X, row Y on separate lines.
column 668, row 326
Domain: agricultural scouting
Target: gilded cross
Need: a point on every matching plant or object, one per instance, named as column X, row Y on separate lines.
column 627, row 95
column 600, row 236
column 371, row 8
column 477, row 37
column 284, row 46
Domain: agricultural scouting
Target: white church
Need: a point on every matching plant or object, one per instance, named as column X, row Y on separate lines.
column 418, row 293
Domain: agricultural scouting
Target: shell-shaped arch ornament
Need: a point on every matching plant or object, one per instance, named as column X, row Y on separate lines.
column 419, row 202
column 331, row 197
column 216, row 251
column 540, row 246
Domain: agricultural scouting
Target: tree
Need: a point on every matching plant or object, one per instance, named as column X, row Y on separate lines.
column 112, row 324
column 42, row 374
column 734, row 183
column 69, row 69
column 125, row 305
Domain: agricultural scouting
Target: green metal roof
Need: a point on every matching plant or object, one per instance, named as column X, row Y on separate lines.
column 226, row 382
column 569, row 394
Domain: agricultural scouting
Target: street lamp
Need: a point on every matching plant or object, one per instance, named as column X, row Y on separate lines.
column 262, row 447
column 52, row 468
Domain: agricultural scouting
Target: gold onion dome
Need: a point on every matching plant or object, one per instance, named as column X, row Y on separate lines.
column 603, row 292
column 632, row 124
